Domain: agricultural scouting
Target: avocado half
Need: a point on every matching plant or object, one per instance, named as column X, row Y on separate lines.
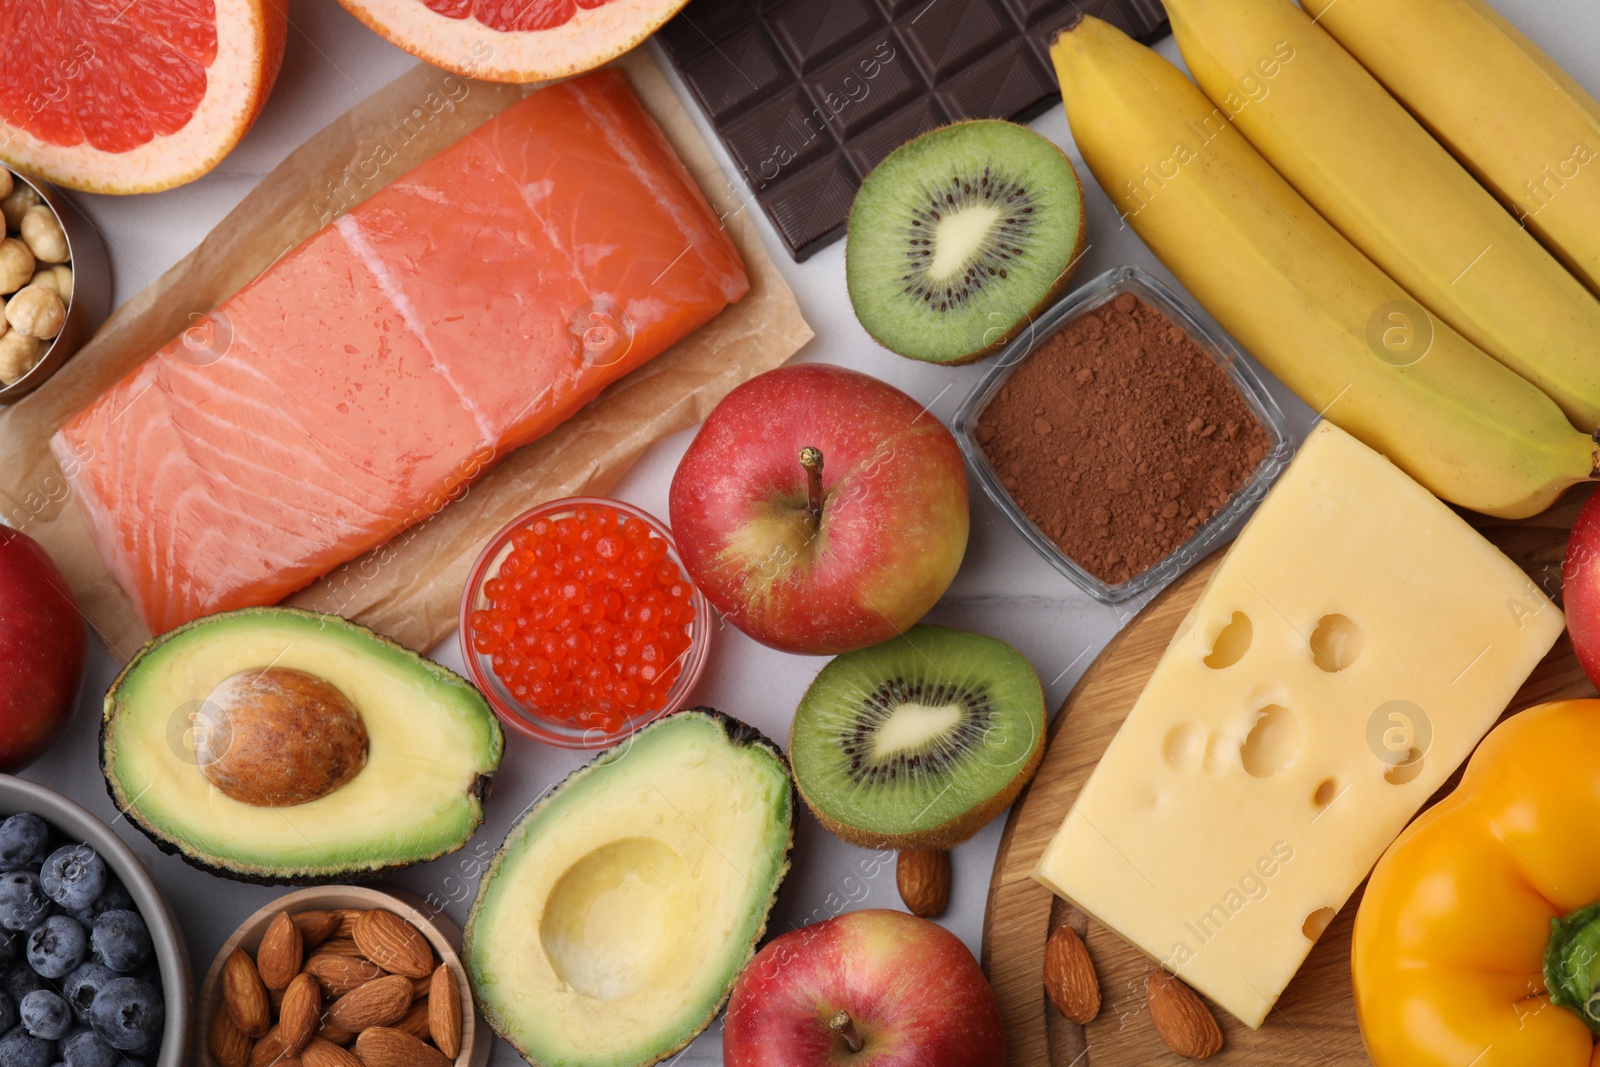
column 433, row 742
column 611, row 925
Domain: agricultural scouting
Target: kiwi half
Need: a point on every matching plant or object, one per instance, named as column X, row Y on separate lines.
column 919, row 741
column 957, row 238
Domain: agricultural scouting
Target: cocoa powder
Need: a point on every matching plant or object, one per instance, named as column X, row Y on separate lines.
column 1118, row 436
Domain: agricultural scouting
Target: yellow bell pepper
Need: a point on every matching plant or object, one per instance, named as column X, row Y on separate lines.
column 1478, row 940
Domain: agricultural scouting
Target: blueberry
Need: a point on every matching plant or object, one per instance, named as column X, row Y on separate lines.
column 21, row 980
column 18, row 1048
column 22, row 900
column 120, row 940
column 23, row 839
column 8, row 1012
column 56, row 946
column 113, row 898
column 82, row 985
column 88, row 1049
column 73, row 876
column 85, row 1048
column 46, row 1015
column 128, row 1013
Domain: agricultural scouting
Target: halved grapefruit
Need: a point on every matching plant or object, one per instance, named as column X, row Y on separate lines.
column 515, row 40
column 132, row 96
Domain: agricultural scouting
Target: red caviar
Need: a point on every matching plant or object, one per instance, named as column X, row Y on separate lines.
column 587, row 619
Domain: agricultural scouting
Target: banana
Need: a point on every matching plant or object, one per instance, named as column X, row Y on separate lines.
column 1369, row 168
column 1299, row 296
column 1495, row 99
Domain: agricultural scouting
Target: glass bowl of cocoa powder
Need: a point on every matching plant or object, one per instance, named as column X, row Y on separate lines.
column 1124, row 435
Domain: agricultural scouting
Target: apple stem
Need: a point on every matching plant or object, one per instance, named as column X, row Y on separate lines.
column 811, row 460
column 845, row 1027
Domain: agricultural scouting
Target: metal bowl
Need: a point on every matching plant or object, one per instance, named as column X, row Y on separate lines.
column 177, row 987
column 91, row 289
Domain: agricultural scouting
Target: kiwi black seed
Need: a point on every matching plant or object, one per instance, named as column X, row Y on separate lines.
column 919, row 741
column 957, row 237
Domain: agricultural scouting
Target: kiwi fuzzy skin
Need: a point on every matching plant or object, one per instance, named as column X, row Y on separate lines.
column 947, row 834
column 1049, row 298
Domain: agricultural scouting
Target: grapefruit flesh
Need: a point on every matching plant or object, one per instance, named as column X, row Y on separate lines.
column 515, row 40
column 126, row 96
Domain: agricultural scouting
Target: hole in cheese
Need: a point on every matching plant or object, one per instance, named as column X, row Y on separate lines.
column 1327, row 789
column 1316, row 923
column 1401, row 773
column 1232, row 643
column 1273, row 743
column 1184, row 747
column 1336, row 643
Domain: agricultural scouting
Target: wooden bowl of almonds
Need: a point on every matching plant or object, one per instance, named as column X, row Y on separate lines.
column 340, row 976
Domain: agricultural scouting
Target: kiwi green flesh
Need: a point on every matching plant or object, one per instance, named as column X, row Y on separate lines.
column 919, row 741
column 959, row 236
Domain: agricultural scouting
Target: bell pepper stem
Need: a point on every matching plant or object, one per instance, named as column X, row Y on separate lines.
column 1572, row 964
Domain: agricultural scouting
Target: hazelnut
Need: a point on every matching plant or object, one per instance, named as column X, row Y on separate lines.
column 37, row 312
column 57, row 278
column 6, row 182
column 42, row 232
column 15, row 203
column 18, row 354
column 16, row 265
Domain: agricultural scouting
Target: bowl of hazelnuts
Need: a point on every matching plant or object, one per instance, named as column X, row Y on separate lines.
column 52, row 282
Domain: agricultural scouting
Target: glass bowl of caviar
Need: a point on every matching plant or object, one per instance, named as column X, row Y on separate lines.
column 580, row 624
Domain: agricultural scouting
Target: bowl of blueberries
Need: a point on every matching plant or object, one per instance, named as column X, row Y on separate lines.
column 93, row 971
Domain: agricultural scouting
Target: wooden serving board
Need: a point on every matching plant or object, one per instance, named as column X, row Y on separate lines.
column 1314, row 1023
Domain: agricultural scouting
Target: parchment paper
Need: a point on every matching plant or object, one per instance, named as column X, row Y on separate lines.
column 409, row 589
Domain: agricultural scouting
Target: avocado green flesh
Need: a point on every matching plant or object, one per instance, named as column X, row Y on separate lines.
column 431, row 740
column 612, row 923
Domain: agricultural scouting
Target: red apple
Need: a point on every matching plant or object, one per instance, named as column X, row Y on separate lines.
column 1580, row 588
column 875, row 988
column 821, row 510
column 43, row 644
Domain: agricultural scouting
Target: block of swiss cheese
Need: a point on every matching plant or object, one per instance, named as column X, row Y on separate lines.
column 1347, row 655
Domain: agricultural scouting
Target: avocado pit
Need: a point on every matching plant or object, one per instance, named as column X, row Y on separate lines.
column 276, row 737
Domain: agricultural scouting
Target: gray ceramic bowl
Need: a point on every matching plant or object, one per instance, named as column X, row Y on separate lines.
column 70, row 820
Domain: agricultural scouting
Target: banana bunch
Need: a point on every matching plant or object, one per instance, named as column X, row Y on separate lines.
column 1496, row 100
column 1371, row 170
column 1316, row 311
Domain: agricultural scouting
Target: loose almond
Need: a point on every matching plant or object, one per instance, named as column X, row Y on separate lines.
column 229, row 1045
column 415, row 1021
column 376, row 1003
column 1181, row 1017
column 347, row 921
column 340, row 946
column 383, row 1046
column 323, row 1053
column 394, row 944
column 341, row 974
column 301, row 1012
column 444, row 1012
column 420, row 987
column 315, row 926
column 1069, row 976
column 244, row 994
column 279, row 956
column 269, row 1051
column 923, row 876
column 338, row 1035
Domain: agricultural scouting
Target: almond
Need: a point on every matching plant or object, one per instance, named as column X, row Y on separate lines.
column 244, row 994
column 301, row 1012
column 375, row 1003
column 394, row 944
column 316, row 926
column 415, row 1021
column 340, row 946
column 923, row 876
column 444, row 1012
column 336, row 1034
column 1069, row 976
column 347, row 921
column 420, row 987
column 338, row 975
column 279, row 956
column 323, row 1053
column 269, row 1051
column 229, row 1045
column 382, row 1046
column 1181, row 1017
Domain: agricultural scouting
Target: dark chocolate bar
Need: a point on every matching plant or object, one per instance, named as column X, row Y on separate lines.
column 808, row 95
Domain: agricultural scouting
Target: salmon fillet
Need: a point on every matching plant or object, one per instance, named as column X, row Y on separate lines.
column 464, row 310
